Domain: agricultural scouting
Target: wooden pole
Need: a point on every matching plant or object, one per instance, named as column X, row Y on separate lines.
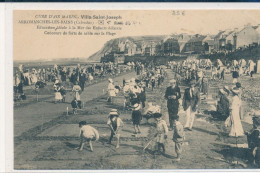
column 67, row 110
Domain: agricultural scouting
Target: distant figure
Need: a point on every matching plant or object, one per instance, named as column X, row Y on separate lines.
column 222, row 74
column 58, row 96
column 75, row 104
column 235, row 76
column 111, row 91
column 76, row 90
column 205, row 85
column 63, row 93
column 153, row 82
column 82, row 80
column 73, row 77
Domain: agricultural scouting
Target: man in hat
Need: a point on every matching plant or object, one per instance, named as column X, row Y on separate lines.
column 82, row 79
column 172, row 95
column 161, row 132
column 115, row 124
column 73, row 77
column 190, row 103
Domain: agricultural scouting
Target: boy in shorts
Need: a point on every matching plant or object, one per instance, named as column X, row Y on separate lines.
column 87, row 134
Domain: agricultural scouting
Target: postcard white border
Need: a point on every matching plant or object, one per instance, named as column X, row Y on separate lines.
column 6, row 43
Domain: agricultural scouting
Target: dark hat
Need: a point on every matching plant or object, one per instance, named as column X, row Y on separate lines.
column 157, row 115
column 238, row 85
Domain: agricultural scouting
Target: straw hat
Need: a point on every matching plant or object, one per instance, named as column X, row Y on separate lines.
column 113, row 112
column 136, row 106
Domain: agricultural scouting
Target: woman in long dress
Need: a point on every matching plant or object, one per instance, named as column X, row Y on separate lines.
column 58, row 96
column 236, row 125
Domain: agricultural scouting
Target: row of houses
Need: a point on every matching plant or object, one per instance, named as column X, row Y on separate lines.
column 227, row 40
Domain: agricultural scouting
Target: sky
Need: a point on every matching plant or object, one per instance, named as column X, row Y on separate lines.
column 31, row 43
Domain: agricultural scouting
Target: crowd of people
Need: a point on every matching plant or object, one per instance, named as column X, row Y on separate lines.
column 192, row 73
column 60, row 75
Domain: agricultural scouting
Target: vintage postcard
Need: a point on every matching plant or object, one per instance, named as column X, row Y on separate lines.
column 136, row 89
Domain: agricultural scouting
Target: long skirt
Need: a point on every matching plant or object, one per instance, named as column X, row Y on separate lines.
column 236, row 126
column 58, row 96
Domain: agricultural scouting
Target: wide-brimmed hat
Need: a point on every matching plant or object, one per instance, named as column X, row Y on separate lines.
column 113, row 112
column 137, row 106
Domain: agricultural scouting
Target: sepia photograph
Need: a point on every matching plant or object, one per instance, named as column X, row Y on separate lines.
column 136, row 89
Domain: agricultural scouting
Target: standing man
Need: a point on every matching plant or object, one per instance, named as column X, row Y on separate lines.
column 190, row 103
column 172, row 95
column 82, row 79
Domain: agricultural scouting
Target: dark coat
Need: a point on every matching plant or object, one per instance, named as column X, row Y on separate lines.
column 189, row 100
column 73, row 78
column 172, row 104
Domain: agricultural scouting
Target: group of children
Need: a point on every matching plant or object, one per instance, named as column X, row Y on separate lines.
column 115, row 124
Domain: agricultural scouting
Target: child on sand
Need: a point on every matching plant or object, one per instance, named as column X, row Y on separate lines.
column 115, row 124
column 178, row 136
column 162, row 131
column 87, row 134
